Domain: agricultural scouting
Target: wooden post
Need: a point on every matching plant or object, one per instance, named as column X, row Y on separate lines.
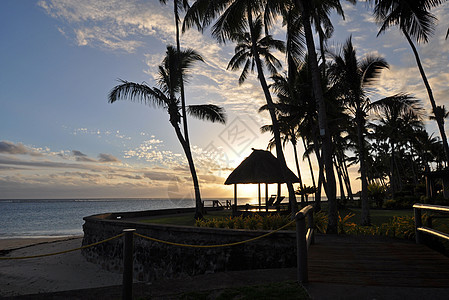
column 301, row 249
column 234, row 207
column 235, row 194
column 418, row 224
column 127, row 292
column 260, row 201
column 311, row 226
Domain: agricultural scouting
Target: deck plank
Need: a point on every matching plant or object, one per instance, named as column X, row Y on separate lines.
column 376, row 262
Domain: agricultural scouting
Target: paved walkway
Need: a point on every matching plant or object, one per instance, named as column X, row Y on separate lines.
column 340, row 267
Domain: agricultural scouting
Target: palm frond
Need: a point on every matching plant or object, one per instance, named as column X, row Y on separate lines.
column 138, row 92
column 208, row 112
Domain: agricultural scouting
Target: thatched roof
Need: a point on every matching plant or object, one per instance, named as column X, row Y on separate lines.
column 260, row 167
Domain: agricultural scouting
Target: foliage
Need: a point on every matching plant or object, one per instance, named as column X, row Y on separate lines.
column 343, row 222
column 321, row 221
column 377, row 192
column 399, row 227
column 401, row 202
column 254, row 222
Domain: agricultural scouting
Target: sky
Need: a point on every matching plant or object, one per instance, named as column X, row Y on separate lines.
column 60, row 138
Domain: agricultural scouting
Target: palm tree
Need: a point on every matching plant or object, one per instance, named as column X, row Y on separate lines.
column 234, row 17
column 440, row 113
column 165, row 96
column 395, row 114
column 415, row 21
column 352, row 77
column 180, row 5
column 306, row 9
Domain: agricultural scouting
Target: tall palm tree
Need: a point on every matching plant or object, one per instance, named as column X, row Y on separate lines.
column 414, row 19
column 352, row 76
column 306, row 9
column 165, row 96
column 234, row 18
column 180, row 5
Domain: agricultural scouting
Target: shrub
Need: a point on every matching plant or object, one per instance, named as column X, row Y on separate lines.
column 343, row 222
column 377, row 193
column 321, row 221
column 254, row 222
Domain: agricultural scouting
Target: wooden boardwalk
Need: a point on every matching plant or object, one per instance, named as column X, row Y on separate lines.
column 376, row 261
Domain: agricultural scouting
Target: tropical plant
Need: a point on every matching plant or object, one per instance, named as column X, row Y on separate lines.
column 307, row 10
column 235, row 22
column 396, row 115
column 166, row 96
column 180, row 5
column 377, row 193
column 306, row 191
column 414, row 19
column 352, row 77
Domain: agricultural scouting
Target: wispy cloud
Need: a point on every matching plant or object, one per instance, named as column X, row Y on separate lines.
column 111, row 24
column 18, row 148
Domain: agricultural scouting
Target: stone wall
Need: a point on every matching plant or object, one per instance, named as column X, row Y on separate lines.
column 154, row 260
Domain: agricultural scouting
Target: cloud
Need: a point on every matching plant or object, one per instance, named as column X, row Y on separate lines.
column 160, row 176
column 111, row 24
column 102, row 157
column 79, row 156
column 19, row 148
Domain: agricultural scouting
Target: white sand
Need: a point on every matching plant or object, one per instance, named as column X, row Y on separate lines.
column 63, row 272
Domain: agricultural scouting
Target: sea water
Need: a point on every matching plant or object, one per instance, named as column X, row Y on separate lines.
column 64, row 217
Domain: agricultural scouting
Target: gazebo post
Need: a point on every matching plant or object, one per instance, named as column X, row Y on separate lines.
column 260, row 202
column 266, row 195
column 235, row 199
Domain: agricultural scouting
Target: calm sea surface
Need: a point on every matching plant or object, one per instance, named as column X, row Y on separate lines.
column 43, row 218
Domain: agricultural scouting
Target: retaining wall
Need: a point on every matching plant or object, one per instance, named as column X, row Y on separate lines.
column 154, row 260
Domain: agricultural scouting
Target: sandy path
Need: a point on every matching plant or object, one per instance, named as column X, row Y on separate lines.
column 49, row 274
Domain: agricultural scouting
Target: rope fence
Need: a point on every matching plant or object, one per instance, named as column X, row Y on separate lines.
column 215, row 246
column 65, row 251
column 151, row 239
column 304, row 236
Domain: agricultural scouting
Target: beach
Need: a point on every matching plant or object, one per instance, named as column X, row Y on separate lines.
column 62, row 272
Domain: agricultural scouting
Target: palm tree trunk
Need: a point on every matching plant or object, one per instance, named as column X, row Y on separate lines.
column 340, row 179
column 196, row 185
column 183, row 99
column 298, row 170
column 321, row 178
column 271, row 109
column 186, row 144
column 322, row 118
column 440, row 122
column 392, row 172
column 364, row 193
column 347, row 179
column 310, row 165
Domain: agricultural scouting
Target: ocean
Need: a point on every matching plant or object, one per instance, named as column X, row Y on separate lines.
column 64, row 217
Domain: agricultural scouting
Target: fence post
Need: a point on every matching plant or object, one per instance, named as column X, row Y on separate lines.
column 127, row 292
column 418, row 224
column 301, row 248
column 311, row 226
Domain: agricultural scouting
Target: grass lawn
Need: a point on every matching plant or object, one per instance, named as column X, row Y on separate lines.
column 282, row 290
column 378, row 216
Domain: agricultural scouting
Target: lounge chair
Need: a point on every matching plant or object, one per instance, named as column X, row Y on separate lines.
column 271, row 200
column 279, row 200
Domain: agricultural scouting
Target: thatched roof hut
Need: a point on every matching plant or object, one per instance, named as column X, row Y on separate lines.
column 260, row 167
